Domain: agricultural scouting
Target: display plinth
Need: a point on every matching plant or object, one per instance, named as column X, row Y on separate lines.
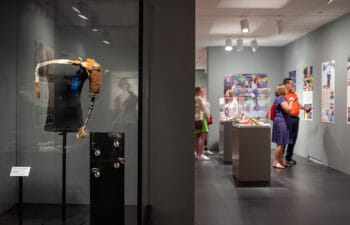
column 226, row 141
column 251, row 153
column 107, row 166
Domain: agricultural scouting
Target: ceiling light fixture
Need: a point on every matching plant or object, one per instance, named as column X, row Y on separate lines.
column 279, row 25
column 81, row 7
column 245, row 26
column 254, row 44
column 228, row 45
column 330, row 1
column 106, row 37
column 76, row 10
column 240, row 46
column 93, row 23
column 83, row 17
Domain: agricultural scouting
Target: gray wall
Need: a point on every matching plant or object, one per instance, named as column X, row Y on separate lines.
column 169, row 37
column 8, row 193
column 264, row 60
column 328, row 143
column 201, row 79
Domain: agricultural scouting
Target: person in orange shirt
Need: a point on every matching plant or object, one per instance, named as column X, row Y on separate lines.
column 294, row 114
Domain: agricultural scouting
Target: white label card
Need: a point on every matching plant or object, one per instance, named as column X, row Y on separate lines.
column 19, row 171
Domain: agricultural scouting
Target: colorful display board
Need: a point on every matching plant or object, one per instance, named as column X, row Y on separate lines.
column 328, row 94
column 249, row 91
column 308, row 91
column 255, row 102
column 248, row 80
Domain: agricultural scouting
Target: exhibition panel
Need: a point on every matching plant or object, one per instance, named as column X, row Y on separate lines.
column 308, row 88
column 73, row 71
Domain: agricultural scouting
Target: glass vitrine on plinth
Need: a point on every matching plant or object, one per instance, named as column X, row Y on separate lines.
column 226, row 141
column 251, row 153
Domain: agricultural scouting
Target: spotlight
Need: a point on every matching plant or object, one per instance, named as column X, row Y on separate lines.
column 245, row 26
column 83, row 17
column 240, row 46
column 81, row 8
column 279, row 25
column 106, row 37
column 76, row 10
column 93, row 23
column 254, row 44
column 228, row 45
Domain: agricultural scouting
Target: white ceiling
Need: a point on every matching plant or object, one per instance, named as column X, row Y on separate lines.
column 218, row 19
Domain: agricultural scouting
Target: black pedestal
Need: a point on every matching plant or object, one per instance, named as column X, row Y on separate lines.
column 64, row 220
column 107, row 178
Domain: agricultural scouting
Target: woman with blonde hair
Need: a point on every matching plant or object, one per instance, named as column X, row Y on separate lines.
column 201, row 117
column 281, row 125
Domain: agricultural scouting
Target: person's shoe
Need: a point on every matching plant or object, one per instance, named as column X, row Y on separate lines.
column 202, row 158
column 286, row 164
column 291, row 161
column 278, row 166
column 208, row 152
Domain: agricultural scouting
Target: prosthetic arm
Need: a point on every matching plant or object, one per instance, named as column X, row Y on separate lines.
column 93, row 70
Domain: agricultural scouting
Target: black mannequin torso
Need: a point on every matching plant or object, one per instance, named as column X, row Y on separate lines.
column 64, row 113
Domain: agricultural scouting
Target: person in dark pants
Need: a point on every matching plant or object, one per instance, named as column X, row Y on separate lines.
column 294, row 114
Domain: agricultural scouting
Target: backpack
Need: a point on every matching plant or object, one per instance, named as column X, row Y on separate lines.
column 272, row 112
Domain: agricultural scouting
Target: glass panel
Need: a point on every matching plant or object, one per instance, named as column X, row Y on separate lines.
column 38, row 115
column 8, row 194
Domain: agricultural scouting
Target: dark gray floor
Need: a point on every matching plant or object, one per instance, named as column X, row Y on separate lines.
column 38, row 214
column 306, row 194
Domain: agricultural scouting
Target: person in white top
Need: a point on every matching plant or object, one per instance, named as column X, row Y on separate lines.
column 231, row 110
column 201, row 117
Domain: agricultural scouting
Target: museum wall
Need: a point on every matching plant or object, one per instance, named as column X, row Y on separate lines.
column 170, row 110
column 327, row 143
column 201, row 79
column 8, row 191
column 220, row 63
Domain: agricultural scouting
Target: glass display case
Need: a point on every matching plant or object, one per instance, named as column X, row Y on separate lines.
column 72, row 69
column 243, row 103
